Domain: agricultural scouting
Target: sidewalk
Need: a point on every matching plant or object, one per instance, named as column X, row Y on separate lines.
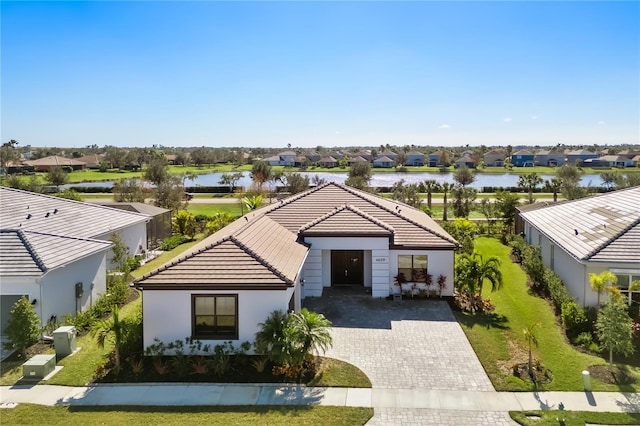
column 181, row 394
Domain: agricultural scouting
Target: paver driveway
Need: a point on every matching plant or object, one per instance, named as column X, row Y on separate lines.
column 408, row 344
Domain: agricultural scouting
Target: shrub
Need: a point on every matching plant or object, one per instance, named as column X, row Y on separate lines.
column 575, row 320
column 172, row 242
column 23, row 328
column 556, row 288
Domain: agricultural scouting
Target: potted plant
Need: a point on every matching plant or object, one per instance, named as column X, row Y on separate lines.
column 428, row 282
column 442, row 283
column 399, row 280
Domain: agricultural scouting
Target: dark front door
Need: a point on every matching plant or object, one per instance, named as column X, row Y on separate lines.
column 347, row 267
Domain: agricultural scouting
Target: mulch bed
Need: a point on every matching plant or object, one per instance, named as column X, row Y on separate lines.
column 541, row 375
column 612, row 374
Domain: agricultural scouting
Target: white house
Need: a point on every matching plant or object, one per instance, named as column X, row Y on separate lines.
column 275, row 257
column 590, row 235
column 51, row 245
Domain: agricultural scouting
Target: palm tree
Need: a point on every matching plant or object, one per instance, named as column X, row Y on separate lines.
column 271, row 340
column 431, row 186
column 532, row 339
column 446, row 188
column 529, row 182
column 309, row 332
column 472, row 270
column 112, row 329
column 252, row 203
column 554, row 186
column 600, row 282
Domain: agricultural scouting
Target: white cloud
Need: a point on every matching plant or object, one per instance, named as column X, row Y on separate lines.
column 601, row 123
column 508, row 120
column 444, row 126
column 534, row 117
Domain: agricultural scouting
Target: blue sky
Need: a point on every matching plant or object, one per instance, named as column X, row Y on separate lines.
column 320, row 73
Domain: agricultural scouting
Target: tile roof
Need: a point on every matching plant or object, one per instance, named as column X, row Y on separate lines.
column 383, row 159
column 263, row 249
column 58, row 216
column 54, row 160
column 601, row 228
column 28, row 253
column 135, row 207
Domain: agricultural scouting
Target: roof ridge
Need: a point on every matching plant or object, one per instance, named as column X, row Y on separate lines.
column 352, row 191
column 32, row 250
column 72, row 237
column 296, row 197
column 353, row 209
column 612, row 239
column 260, row 259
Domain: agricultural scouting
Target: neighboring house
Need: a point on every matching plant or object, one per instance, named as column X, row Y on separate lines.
column 92, row 161
column 313, row 157
column 158, row 228
column 46, row 163
column 415, row 158
column 590, row 235
column 58, row 274
column 300, row 161
column 495, row 158
column 356, row 159
column 275, row 257
column 550, row 157
column 388, row 154
column 384, row 162
column 522, row 158
column 580, row 155
column 434, row 159
column 610, row 161
column 328, row 161
column 636, row 160
column 466, row 160
column 171, row 158
column 29, row 211
column 287, row 157
column 364, row 154
column 274, row 160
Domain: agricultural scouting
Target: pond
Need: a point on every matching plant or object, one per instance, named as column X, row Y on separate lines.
column 378, row 179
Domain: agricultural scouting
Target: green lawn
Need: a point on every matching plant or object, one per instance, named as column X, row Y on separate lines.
column 497, row 338
column 573, row 418
column 234, row 209
column 165, row 415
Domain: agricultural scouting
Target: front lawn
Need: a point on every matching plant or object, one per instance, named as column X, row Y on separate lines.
column 499, row 342
column 233, row 415
column 552, row 417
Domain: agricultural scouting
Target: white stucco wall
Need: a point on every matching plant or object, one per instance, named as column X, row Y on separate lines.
column 11, row 290
column 167, row 313
column 134, row 236
column 438, row 262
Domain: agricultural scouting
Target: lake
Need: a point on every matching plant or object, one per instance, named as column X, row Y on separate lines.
column 378, row 179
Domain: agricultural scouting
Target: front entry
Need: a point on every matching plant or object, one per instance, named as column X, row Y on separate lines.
column 347, row 267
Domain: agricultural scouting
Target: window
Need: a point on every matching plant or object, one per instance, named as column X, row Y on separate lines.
column 414, row 267
column 625, row 278
column 214, row 317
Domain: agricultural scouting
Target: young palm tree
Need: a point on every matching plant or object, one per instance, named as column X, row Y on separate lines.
column 554, row 186
column 600, row 282
column 430, row 186
column 111, row 329
column 472, row 270
column 532, row 339
column 529, row 182
column 446, row 188
column 271, row 340
column 309, row 332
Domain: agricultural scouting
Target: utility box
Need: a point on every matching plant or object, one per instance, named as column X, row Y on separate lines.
column 64, row 340
column 39, row 367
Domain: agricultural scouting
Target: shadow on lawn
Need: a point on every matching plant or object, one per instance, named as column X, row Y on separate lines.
column 486, row 320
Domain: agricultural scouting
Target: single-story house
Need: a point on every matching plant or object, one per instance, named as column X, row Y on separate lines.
column 364, row 154
column 610, row 161
column 92, row 160
column 286, row 158
column 550, row 157
column 384, row 162
column 313, row 157
column 328, row 162
column 590, row 235
column 415, row 158
column 58, row 274
column 389, row 154
column 579, row 156
column 46, row 163
column 356, row 159
column 275, row 257
column 522, row 158
column 495, row 158
column 300, row 161
column 159, row 225
column 274, row 160
column 466, row 160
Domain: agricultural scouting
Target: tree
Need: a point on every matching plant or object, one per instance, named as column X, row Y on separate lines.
column 157, row 170
column 464, row 231
column 608, row 179
column 170, row 194
column 446, row 187
column 401, row 159
column 8, row 153
column 309, row 332
column 69, row 194
column 532, row 339
column 506, row 204
column 570, row 176
column 56, row 176
column 553, row 185
column 253, row 202
column 463, row 199
column 359, row 175
column 128, row 190
column 296, row 182
column 23, row 328
column 472, row 270
column 184, row 223
column 230, row 179
column 261, row 172
column 600, row 282
column 271, row 340
column 120, row 252
column 431, row 186
column 408, row 194
column 218, row 221
column 489, row 211
column 115, row 157
column 464, row 176
column 614, row 328
column 112, row 329
column 529, row 182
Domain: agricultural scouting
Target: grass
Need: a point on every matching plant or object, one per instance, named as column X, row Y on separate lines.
column 550, row 417
column 164, row 258
column 336, row 373
column 219, row 415
column 234, row 209
column 498, row 336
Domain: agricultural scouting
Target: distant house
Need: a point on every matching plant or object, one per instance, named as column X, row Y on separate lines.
column 610, row 161
column 171, row 158
column 158, row 227
column 300, row 161
column 495, row 158
column 328, row 162
column 92, row 160
column 415, row 158
column 46, row 163
column 590, row 235
column 274, row 160
column 337, row 155
column 313, row 157
column 434, row 159
column 57, row 251
column 275, row 257
column 522, row 158
column 287, row 157
column 389, row 154
column 580, row 155
column 383, row 162
column 356, row 159
column 550, row 157
column 466, row 160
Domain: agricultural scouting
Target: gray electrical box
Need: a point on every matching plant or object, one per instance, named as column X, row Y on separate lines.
column 64, row 340
column 39, row 367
